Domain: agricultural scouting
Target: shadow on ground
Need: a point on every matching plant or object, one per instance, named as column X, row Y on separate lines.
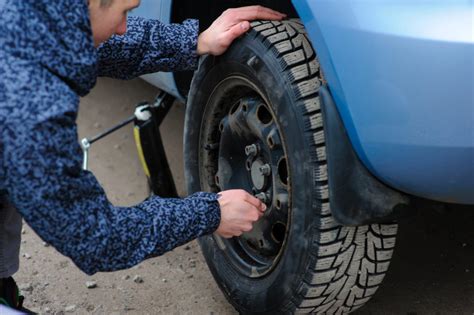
column 432, row 271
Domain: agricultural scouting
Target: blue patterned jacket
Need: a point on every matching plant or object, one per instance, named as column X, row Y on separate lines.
column 47, row 60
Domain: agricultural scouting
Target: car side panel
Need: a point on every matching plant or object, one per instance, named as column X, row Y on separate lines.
column 159, row 10
column 401, row 74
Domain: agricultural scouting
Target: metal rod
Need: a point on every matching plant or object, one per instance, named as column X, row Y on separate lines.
column 109, row 131
column 86, row 143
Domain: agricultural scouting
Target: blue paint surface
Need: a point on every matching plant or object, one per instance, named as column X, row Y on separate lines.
column 401, row 74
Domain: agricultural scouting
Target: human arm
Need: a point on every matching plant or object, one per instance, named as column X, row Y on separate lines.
column 65, row 205
column 68, row 209
column 151, row 46
column 41, row 172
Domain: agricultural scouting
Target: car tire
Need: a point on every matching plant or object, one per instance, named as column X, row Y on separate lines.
column 249, row 110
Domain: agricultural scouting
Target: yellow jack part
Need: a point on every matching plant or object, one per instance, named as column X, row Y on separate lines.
column 141, row 156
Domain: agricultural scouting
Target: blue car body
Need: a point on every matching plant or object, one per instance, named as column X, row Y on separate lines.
column 401, row 75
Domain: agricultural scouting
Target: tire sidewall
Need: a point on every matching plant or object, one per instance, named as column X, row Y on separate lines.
column 280, row 289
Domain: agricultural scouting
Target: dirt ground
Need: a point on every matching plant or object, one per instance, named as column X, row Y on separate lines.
column 432, row 271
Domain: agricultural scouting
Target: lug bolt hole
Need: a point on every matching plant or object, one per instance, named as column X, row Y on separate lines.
column 252, row 245
column 278, row 232
column 264, row 115
column 244, row 107
column 283, row 171
column 248, row 165
column 271, row 143
column 221, row 127
column 278, row 204
column 234, row 108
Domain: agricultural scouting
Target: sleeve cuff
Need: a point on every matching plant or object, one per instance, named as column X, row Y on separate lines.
column 207, row 210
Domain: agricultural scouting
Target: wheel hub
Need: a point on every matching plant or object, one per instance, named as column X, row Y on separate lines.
column 250, row 158
column 259, row 177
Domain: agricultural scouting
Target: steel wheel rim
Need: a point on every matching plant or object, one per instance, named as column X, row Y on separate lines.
column 243, row 129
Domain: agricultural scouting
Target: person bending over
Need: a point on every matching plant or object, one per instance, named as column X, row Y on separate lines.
column 51, row 53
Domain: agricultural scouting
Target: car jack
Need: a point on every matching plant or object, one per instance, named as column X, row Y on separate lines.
column 147, row 120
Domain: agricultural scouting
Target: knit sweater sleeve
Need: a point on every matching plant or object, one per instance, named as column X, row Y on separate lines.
column 149, row 46
column 65, row 205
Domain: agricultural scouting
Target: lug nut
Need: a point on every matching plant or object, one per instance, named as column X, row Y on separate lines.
column 251, row 149
column 263, row 197
column 265, row 170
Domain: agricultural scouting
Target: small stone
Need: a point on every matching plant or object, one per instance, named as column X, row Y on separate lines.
column 63, row 264
column 187, row 247
column 27, row 256
column 117, row 147
column 190, row 276
column 126, row 277
column 97, row 125
column 27, row 287
column 47, row 310
column 45, row 244
column 23, row 241
column 137, row 279
column 23, row 231
column 91, row 284
column 45, row 284
column 192, row 263
column 164, row 280
column 89, row 308
column 70, row 308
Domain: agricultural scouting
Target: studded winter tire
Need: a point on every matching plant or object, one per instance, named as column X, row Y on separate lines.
column 253, row 122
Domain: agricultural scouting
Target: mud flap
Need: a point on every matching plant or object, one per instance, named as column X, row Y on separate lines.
column 357, row 197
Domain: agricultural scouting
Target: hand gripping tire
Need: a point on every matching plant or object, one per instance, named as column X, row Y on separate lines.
column 253, row 121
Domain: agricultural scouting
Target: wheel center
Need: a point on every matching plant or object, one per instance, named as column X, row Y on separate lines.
column 259, row 180
column 250, row 157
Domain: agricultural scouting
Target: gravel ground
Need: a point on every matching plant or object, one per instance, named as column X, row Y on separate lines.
column 432, row 270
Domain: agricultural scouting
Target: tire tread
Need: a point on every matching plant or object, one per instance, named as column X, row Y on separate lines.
column 347, row 264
